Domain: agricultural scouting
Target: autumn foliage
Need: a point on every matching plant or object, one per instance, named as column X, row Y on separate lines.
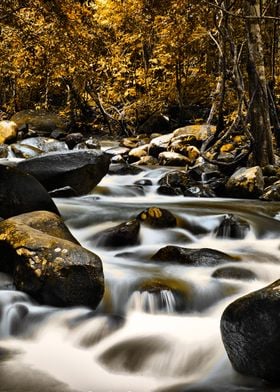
column 124, row 59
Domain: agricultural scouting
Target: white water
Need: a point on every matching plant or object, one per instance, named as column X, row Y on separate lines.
column 166, row 340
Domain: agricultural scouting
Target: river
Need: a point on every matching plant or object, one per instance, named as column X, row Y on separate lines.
column 141, row 340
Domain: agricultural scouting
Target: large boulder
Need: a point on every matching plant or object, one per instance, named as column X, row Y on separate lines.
column 192, row 257
column 250, row 328
column 246, row 183
column 20, row 193
column 81, row 170
column 8, row 131
column 39, row 122
column 47, row 264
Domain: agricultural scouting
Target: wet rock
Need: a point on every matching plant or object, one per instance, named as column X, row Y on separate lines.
column 115, row 151
column 125, row 234
column 232, row 227
column 130, row 142
column 4, row 151
column 168, row 158
column 144, row 182
column 246, row 183
column 146, row 161
column 123, row 169
column 91, row 144
column 35, row 146
column 181, row 147
column 168, row 191
column 175, row 179
column 163, row 295
column 54, row 270
column 234, row 273
column 192, row 257
column 8, row 131
column 159, row 144
column 157, row 218
column 272, row 192
column 137, row 153
column 82, row 170
column 72, row 139
column 39, row 122
column 250, row 328
column 204, row 172
column 66, row 191
column 20, row 193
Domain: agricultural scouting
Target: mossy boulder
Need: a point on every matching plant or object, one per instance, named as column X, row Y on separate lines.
column 48, row 263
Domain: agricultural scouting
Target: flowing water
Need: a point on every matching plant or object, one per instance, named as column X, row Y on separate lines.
column 140, row 339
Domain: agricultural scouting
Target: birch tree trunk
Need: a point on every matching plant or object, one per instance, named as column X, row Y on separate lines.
column 259, row 103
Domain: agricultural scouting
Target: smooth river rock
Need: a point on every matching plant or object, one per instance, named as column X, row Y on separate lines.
column 250, row 328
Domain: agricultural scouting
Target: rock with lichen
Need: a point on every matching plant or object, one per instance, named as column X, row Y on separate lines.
column 47, row 262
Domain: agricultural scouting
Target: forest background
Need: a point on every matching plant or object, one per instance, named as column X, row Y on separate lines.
column 117, row 63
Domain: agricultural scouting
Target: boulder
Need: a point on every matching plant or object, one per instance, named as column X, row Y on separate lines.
column 157, row 218
column 250, row 328
column 246, row 183
column 192, row 257
column 232, row 227
column 8, row 131
column 72, row 139
column 156, row 123
column 146, row 161
column 81, row 170
column 198, row 132
column 47, row 263
column 159, row 144
column 90, row 143
column 272, row 192
column 34, row 146
column 234, row 273
column 125, row 234
column 39, row 122
column 20, row 193
column 168, row 158
column 122, row 169
column 138, row 152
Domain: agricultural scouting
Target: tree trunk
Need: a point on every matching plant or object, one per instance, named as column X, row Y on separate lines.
column 259, row 104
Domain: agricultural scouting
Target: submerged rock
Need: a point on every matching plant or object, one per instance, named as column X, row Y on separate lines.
column 232, row 227
column 82, row 170
column 20, row 193
column 157, row 218
column 192, row 257
column 250, row 328
column 125, row 234
column 234, row 273
column 48, row 263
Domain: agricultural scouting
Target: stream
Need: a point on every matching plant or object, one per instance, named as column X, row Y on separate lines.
column 141, row 340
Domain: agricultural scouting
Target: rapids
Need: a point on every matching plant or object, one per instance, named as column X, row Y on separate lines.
column 140, row 340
